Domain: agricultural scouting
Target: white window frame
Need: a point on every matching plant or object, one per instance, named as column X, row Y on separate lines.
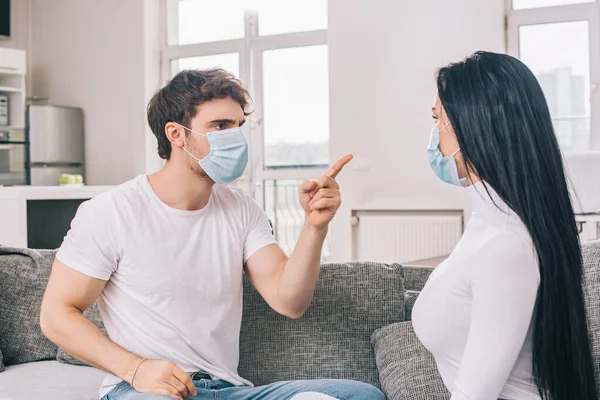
column 564, row 13
column 250, row 50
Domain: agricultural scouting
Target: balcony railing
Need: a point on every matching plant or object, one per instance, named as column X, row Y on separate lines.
column 283, row 208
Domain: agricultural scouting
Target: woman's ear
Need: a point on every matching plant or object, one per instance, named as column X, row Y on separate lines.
column 444, row 120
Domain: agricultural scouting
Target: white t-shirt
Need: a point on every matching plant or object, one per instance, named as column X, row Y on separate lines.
column 475, row 312
column 174, row 289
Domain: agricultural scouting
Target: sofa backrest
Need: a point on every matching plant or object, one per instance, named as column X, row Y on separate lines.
column 23, row 277
column 415, row 277
column 332, row 340
column 591, row 286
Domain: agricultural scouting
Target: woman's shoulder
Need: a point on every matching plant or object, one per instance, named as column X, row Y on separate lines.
column 507, row 255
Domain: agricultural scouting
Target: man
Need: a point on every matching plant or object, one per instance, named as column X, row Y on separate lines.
column 165, row 253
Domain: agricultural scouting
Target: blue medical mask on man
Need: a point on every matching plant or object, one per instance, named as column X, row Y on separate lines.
column 228, row 154
column 444, row 167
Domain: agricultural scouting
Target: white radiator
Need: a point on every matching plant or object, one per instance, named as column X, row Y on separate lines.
column 397, row 236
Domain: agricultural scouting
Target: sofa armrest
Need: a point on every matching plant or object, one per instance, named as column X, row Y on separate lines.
column 415, row 277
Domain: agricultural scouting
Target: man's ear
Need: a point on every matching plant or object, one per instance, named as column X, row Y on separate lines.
column 175, row 133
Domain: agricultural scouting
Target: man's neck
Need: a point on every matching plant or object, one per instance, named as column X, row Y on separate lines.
column 180, row 188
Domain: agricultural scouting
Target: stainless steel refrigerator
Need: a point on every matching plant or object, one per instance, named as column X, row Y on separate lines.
column 56, row 143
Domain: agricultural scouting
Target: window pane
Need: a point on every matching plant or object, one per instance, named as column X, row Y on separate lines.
column 573, row 134
column 287, row 216
column 296, row 106
column 229, row 62
column 522, row 4
column 277, row 16
column 202, row 21
column 559, row 56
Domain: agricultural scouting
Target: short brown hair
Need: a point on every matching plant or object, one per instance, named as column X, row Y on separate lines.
column 179, row 99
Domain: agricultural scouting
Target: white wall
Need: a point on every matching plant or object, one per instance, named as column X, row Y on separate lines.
column 383, row 57
column 20, row 38
column 153, row 37
column 96, row 55
column 104, row 57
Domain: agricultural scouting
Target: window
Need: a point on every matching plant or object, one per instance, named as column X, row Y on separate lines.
column 283, row 208
column 559, row 55
column 523, row 4
column 205, row 21
column 560, row 42
column 229, row 62
column 279, row 50
column 296, row 85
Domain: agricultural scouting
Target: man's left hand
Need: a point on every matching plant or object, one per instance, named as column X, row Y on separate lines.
column 321, row 199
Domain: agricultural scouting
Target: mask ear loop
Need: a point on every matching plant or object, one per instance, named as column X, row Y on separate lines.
column 444, row 127
column 455, row 153
column 186, row 150
column 190, row 154
column 188, row 129
column 457, row 150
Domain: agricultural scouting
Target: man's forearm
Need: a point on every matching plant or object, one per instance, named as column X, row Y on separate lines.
column 75, row 334
column 299, row 278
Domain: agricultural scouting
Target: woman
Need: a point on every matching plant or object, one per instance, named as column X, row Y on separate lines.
column 504, row 315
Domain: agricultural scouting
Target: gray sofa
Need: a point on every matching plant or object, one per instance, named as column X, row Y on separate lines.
column 332, row 340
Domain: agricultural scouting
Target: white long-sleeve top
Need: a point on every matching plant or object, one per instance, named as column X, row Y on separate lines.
column 474, row 314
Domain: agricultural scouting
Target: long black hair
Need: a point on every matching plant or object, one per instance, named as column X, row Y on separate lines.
column 502, row 122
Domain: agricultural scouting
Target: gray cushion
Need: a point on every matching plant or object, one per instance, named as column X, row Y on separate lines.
column 50, row 380
column 23, row 277
column 332, row 340
column 415, row 277
column 406, row 369
column 409, row 301
column 596, row 346
column 1, row 362
column 93, row 314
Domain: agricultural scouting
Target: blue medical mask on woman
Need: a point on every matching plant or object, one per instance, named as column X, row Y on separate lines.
column 228, row 155
column 444, row 167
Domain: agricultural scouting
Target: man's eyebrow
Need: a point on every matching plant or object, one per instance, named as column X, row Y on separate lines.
column 242, row 122
column 222, row 121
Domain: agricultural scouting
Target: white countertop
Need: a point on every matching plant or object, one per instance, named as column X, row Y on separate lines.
column 13, row 207
column 51, row 192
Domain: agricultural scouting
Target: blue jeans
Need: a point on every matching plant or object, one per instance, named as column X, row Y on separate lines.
column 324, row 389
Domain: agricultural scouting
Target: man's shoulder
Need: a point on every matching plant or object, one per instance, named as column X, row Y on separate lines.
column 237, row 198
column 134, row 189
column 128, row 194
column 233, row 195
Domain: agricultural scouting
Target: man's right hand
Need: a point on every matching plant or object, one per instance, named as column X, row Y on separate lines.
column 163, row 377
